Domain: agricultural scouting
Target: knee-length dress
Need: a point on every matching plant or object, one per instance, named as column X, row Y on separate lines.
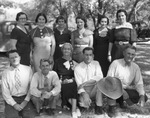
column 120, row 37
column 23, row 44
column 42, row 43
column 100, row 46
column 64, row 71
column 61, row 38
column 79, row 43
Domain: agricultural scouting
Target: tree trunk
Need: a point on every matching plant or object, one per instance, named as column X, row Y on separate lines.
column 132, row 10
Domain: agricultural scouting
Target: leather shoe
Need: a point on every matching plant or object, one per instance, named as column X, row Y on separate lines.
column 113, row 111
column 98, row 110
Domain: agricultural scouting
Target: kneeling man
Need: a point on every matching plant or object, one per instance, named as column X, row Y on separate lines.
column 130, row 75
column 87, row 74
column 45, row 88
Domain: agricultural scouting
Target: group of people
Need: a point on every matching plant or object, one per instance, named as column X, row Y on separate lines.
column 78, row 67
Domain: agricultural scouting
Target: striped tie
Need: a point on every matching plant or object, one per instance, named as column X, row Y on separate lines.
column 17, row 79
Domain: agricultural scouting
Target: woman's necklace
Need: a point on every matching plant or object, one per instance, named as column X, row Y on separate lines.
column 81, row 31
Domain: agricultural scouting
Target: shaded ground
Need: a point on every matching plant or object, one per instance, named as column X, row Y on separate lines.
column 142, row 59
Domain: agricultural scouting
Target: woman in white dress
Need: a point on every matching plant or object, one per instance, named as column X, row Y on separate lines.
column 43, row 42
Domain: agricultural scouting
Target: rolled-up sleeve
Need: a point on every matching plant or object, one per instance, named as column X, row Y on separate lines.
column 57, row 85
column 78, row 79
column 34, row 86
column 6, row 90
column 138, row 81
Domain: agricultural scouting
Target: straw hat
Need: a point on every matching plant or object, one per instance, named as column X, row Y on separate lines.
column 111, row 87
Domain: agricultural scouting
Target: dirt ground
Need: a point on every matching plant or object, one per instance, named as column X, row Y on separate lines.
column 142, row 59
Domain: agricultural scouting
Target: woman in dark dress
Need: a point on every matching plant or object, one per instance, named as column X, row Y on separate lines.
column 101, row 42
column 62, row 35
column 64, row 67
column 122, row 35
column 20, row 39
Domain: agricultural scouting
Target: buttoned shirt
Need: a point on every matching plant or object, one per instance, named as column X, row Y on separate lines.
column 82, row 76
column 8, row 83
column 37, row 83
column 128, row 74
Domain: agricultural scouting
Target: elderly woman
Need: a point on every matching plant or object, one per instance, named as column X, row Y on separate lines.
column 64, row 67
column 20, row 39
column 43, row 41
column 121, row 35
column 81, row 38
column 62, row 35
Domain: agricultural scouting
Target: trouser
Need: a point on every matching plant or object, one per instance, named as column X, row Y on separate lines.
column 133, row 98
column 27, row 112
column 94, row 94
column 49, row 103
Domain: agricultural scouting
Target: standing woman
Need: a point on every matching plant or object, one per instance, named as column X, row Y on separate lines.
column 101, row 42
column 64, row 66
column 81, row 38
column 43, row 41
column 62, row 35
column 20, row 39
column 121, row 35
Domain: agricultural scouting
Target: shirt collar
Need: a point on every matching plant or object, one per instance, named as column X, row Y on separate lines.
column 125, row 25
column 125, row 64
column 13, row 68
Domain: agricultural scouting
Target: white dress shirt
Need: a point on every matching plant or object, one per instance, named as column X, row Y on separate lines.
column 37, row 83
column 127, row 74
column 8, row 83
column 85, row 72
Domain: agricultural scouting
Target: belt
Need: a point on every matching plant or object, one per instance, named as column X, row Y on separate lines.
column 81, row 45
column 60, row 45
column 121, row 42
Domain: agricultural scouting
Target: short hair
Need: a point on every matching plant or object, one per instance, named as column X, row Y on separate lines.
column 45, row 60
column 12, row 51
column 82, row 18
column 60, row 18
column 19, row 14
column 41, row 14
column 121, row 10
column 67, row 44
column 87, row 49
column 103, row 16
column 129, row 46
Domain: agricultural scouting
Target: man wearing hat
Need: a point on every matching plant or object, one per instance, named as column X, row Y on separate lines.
column 129, row 73
column 87, row 74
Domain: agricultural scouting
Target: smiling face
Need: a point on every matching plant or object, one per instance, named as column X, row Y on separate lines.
column 45, row 67
column 129, row 54
column 121, row 17
column 80, row 23
column 14, row 59
column 66, row 50
column 41, row 21
column 22, row 19
column 103, row 22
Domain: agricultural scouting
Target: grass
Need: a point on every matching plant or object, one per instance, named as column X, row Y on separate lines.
column 143, row 60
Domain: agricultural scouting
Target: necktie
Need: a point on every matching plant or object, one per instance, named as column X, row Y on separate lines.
column 17, row 79
column 88, row 72
column 46, row 83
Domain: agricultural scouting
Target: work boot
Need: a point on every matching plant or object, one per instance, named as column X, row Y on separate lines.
column 113, row 111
